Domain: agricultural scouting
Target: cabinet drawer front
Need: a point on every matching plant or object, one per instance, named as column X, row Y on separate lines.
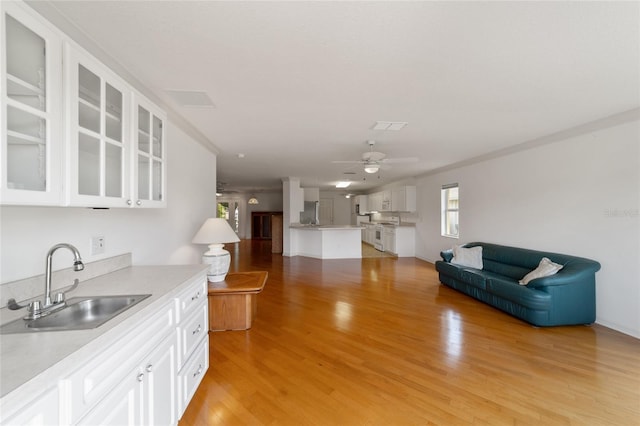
column 192, row 297
column 191, row 332
column 107, row 369
column 192, row 374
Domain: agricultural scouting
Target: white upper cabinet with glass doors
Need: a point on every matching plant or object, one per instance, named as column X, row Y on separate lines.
column 148, row 161
column 31, row 147
column 98, row 134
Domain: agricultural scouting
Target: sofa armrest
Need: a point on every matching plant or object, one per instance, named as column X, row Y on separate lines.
column 572, row 273
column 447, row 255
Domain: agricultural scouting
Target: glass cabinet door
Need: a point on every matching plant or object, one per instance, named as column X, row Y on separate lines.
column 99, row 142
column 150, row 157
column 31, row 105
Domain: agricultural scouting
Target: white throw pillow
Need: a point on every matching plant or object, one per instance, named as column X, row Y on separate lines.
column 545, row 268
column 471, row 257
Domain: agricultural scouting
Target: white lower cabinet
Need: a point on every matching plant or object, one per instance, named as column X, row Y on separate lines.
column 44, row 410
column 150, row 378
column 192, row 373
column 140, row 374
column 146, row 395
column 193, row 353
column 121, row 407
column 389, row 239
column 99, row 378
column 160, row 393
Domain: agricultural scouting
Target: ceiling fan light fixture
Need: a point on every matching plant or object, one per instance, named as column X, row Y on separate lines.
column 371, row 168
column 253, row 200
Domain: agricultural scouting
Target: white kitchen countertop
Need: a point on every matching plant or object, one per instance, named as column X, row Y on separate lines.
column 34, row 361
column 326, row 227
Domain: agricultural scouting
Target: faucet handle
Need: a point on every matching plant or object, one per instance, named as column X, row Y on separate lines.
column 59, row 298
column 35, row 306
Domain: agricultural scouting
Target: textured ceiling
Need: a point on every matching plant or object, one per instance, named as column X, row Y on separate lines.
column 299, row 84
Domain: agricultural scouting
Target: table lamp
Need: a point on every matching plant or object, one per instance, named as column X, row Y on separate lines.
column 216, row 232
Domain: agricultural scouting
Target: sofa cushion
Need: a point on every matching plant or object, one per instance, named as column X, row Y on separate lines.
column 474, row 277
column 510, row 271
column 471, row 276
column 471, row 257
column 545, row 268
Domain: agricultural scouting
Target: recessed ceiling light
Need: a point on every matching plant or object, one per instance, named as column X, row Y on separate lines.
column 389, row 125
column 191, row 99
column 343, row 184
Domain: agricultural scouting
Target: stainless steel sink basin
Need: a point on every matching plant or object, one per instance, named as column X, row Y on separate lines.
column 80, row 313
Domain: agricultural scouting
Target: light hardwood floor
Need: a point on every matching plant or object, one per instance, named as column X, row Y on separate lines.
column 380, row 342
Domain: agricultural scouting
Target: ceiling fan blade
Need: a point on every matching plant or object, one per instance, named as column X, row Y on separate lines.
column 400, row 160
column 347, row 161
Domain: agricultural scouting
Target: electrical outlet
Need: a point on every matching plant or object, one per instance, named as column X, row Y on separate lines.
column 97, row 245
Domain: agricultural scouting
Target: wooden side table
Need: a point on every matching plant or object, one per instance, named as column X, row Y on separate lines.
column 234, row 302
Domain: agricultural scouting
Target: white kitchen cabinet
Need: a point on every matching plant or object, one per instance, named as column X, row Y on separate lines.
column 403, row 199
column 192, row 373
column 44, row 410
column 193, row 352
column 93, row 145
column 375, row 202
column 98, row 120
column 369, row 233
column 121, row 407
column 32, row 146
column 160, row 381
column 389, row 239
column 100, row 377
column 402, row 241
column 147, row 395
column 191, row 331
column 127, row 371
column 385, row 205
column 148, row 156
column 117, row 152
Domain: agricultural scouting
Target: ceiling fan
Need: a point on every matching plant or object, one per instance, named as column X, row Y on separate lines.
column 373, row 161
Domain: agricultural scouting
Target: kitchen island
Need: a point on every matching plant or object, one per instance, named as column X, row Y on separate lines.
column 326, row 241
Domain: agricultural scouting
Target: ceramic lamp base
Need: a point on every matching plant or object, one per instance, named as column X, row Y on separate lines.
column 218, row 260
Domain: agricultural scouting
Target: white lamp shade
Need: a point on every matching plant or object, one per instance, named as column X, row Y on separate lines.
column 215, row 231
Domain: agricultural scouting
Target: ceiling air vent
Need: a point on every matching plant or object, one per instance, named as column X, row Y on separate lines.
column 389, row 125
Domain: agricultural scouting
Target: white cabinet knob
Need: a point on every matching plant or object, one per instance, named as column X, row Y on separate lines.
column 149, row 368
column 129, row 202
column 140, row 377
column 138, row 203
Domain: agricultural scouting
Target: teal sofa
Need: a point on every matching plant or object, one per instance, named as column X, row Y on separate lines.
column 566, row 298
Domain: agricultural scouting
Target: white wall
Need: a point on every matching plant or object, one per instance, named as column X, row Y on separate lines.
column 153, row 236
column 579, row 196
